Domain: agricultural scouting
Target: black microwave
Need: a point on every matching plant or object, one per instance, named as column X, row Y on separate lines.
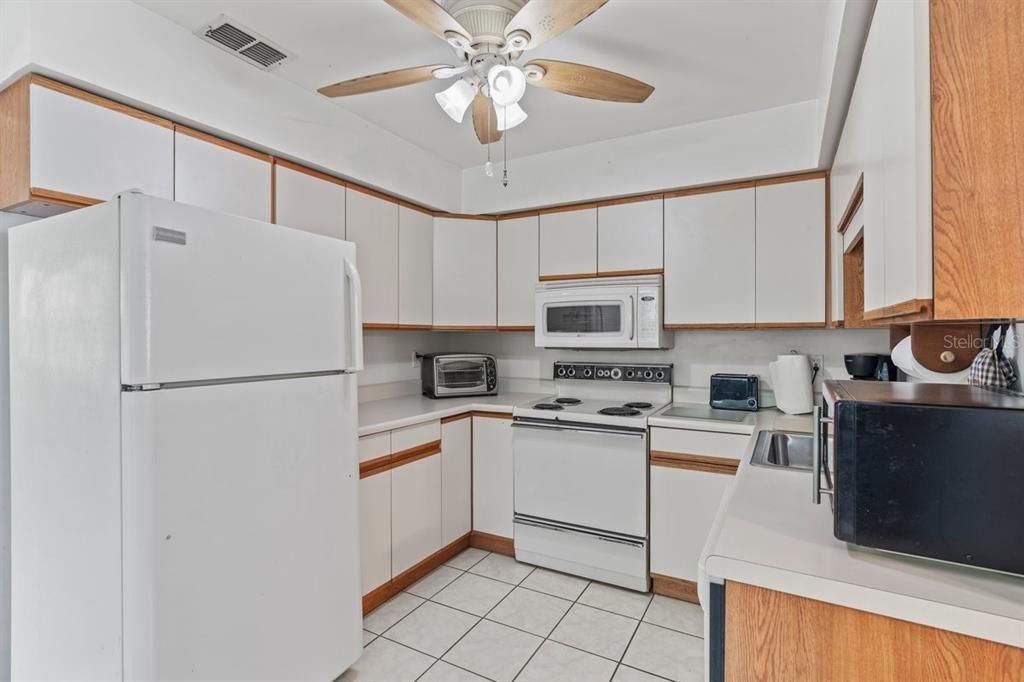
column 930, row 470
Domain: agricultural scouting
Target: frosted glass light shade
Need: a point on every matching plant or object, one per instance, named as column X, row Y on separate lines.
column 507, row 84
column 456, row 99
column 510, row 116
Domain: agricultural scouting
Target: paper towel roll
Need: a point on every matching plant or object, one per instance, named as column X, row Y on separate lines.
column 791, row 382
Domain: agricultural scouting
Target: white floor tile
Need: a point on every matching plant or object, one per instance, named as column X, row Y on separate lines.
column 531, row 611
column 390, row 612
column 385, row 660
column 599, row 632
column 368, row 637
column 676, row 615
column 667, row 653
column 555, row 662
column 503, row 568
column 558, row 584
column 468, row 557
column 494, row 651
column 616, row 599
column 446, row 672
column 626, row 674
column 434, row 582
column 431, row 628
column 473, row 593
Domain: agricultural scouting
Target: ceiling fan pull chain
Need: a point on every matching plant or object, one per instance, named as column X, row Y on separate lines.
column 504, row 154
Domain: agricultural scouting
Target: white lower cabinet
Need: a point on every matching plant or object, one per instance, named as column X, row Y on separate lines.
column 415, row 512
column 683, row 507
column 375, row 530
column 456, row 480
column 492, row 475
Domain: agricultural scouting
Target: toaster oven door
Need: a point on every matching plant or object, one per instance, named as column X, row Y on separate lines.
column 598, row 317
column 454, row 376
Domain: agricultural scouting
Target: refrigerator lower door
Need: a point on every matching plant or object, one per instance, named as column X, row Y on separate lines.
column 241, row 537
column 212, row 296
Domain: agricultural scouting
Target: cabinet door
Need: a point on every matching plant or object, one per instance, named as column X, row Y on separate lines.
column 456, row 479
column 629, row 237
column 465, row 273
column 568, row 243
column 221, row 177
column 78, row 147
column 372, row 223
column 309, row 202
column 517, row 271
column 375, row 530
column 415, row 512
column 709, row 258
column 492, row 475
column 415, row 267
column 683, row 507
column 790, row 262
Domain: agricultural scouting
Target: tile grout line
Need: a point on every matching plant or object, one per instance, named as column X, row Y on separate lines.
column 633, row 636
column 547, row 637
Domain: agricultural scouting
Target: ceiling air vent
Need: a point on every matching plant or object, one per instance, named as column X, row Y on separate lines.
column 250, row 46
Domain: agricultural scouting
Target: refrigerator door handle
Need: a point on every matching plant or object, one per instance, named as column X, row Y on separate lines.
column 356, row 313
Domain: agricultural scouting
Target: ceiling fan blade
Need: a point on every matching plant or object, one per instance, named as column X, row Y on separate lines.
column 545, row 19
column 591, row 82
column 381, row 81
column 432, row 17
column 485, row 121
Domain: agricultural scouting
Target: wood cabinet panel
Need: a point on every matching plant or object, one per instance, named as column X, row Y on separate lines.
column 518, row 245
column 465, row 273
column 709, row 258
column 220, row 178
column 372, row 223
column 415, row 267
column 629, row 236
column 568, row 243
column 308, row 202
column 492, row 476
column 770, row 635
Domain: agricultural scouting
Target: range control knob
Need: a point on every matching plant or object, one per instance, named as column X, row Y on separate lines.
column 616, row 373
column 561, row 371
column 571, row 372
column 588, row 372
column 660, row 375
column 629, row 374
column 648, row 374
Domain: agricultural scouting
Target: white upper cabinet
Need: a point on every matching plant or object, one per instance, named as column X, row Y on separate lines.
column 85, row 149
column 518, row 241
column 415, row 267
column 309, row 201
column 221, row 176
column 709, row 258
column 372, row 223
column 629, row 237
column 790, row 260
column 465, row 273
column 568, row 243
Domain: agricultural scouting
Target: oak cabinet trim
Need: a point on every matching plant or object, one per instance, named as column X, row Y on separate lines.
column 50, row 84
column 694, row 462
column 221, row 142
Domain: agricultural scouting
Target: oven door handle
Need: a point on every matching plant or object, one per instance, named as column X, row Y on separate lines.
column 578, row 429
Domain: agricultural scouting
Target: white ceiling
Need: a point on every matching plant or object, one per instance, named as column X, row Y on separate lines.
column 706, row 59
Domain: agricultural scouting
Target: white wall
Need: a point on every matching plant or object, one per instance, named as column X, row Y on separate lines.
column 696, row 355
column 387, row 355
column 772, row 141
column 128, row 53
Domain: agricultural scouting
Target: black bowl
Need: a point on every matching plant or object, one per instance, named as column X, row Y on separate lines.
column 861, row 365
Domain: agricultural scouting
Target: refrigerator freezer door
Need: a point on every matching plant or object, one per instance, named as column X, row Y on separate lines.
column 209, row 296
column 241, row 557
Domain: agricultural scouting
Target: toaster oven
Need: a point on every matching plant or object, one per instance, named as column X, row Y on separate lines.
column 449, row 375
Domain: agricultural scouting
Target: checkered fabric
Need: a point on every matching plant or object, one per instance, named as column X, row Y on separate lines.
column 990, row 367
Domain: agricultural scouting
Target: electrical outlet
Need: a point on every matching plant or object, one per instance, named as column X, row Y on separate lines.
column 819, row 362
column 417, row 359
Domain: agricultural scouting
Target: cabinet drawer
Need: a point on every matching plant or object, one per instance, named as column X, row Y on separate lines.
column 374, row 446
column 414, row 436
column 690, row 442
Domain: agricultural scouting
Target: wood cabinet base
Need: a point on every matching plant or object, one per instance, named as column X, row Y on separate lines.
column 378, row 596
column 677, row 588
column 492, row 543
column 771, row 635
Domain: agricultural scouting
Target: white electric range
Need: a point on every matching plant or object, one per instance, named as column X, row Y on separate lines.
column 581, row 471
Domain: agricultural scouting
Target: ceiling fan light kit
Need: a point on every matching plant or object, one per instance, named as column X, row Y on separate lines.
column 489, row 38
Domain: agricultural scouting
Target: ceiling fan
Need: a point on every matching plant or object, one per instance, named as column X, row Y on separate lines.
column 489, row 38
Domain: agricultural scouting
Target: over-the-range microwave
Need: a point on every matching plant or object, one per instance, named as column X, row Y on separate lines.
column 605, row 312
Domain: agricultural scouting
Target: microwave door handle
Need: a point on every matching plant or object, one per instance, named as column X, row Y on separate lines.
column 632, row 317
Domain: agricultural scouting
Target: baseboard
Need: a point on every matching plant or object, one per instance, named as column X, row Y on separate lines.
column 378, row 596
column 677, row 588
column 492, row 543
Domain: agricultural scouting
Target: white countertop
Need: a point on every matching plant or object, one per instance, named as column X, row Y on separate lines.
column 763, row 418
column 394, row 413
column 768, row 533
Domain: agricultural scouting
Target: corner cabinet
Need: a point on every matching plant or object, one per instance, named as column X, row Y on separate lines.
column 371, row 222
column 415, row 268
column 568, row 244
column 221, row 176
column 492, row 475
column 308, row 200
column 518, row 243
column 629, row 237
column 465, row 274
column 456, row 477
column 62, row 148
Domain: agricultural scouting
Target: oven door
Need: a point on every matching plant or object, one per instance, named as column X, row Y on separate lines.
column 583, row 475
column 586, row 317
column 460, row 375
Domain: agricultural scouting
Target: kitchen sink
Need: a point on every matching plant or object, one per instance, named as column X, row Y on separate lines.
column 783, row 450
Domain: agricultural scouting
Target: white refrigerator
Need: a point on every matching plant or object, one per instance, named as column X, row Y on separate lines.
column 184, row 465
